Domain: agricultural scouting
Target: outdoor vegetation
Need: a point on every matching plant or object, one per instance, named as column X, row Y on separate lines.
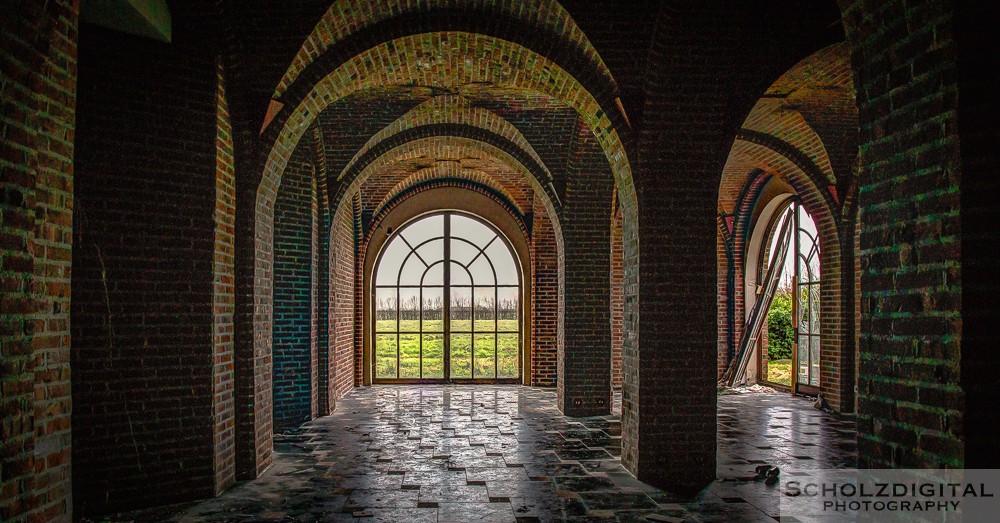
column 780, row 336
column 488, row 347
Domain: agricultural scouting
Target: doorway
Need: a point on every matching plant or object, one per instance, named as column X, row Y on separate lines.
column 789, row 344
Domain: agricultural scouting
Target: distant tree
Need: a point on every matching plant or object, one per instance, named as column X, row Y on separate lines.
column 780, row 334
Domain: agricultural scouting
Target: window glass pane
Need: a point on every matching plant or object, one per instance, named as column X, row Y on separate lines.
column 461, row 356
column 485, row 303
column 814, row 309
column 803, row 363
column 508, row 350
column 503, row 263
column 385, row 356
column 482, row 272
column 434, row 275
column 461, row 309
column 433, row 364
column 814, row 269
column 462, row 251
column 459, row 275
column 804, row 312
column 423, row 229
column 385, row 309
column 472, row 230
column 432, row 311
column 484, row 361
column 432, row 251
column 388, row 266
column 409, row 355
column 413, row 270
column 409, row 310
column 814, row 361
column 507, row 309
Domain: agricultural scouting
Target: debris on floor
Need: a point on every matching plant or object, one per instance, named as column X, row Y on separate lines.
column 746, row 389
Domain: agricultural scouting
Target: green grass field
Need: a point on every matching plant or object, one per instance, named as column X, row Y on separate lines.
column 780, row 371
column 462, row 354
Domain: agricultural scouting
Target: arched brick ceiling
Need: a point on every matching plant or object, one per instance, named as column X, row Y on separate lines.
column 774, row 117
column 821, row 89
column 531, row 92
column 545, row 18
column 450, row 109
column 390, row 183
column 805, row 123
column 462, row 153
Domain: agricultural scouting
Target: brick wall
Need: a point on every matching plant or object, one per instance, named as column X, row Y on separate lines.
column 38, row 71
column 294, row 341
column 910, row 402
column 145, row 242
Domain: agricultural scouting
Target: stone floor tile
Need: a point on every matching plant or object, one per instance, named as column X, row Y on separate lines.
column 505, row 453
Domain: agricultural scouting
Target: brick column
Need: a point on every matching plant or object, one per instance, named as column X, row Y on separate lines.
column 585, row 317
column 36, row 221
column 909, row 400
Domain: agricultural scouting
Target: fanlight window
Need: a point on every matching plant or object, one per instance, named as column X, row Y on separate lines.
column 447, row 303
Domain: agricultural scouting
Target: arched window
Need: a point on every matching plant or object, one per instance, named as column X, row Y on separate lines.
column 793, row 342
column 447, row 303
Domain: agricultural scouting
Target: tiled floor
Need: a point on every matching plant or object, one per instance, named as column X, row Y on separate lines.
column 503, row 454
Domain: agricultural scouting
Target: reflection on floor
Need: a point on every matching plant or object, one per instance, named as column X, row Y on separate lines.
column 504, row 453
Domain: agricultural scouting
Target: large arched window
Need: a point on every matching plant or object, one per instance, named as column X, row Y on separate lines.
column 793, row 344
column 447, row 303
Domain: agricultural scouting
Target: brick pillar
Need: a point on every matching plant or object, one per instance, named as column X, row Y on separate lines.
column 617, row 299
column 294, row 336
column 149, row 350
column 544, row 299
column 909, row 400
column 36, row 201
column 224, row 291
column 585, row 318
column 979, row 61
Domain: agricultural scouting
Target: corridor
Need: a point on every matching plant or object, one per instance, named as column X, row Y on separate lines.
column 505, row 454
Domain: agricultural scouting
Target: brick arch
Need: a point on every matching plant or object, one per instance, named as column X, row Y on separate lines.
column 775, row 158
column 426, row 184
column 460, row 60
column 454, row 172
column 348, row 18
column 799, row 130
column 451, row 110
column 771, row 124
column 441, row 147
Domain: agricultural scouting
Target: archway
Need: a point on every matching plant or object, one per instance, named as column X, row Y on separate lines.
column 788, row 350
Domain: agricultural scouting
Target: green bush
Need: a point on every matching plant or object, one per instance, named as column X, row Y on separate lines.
column 779, row 326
